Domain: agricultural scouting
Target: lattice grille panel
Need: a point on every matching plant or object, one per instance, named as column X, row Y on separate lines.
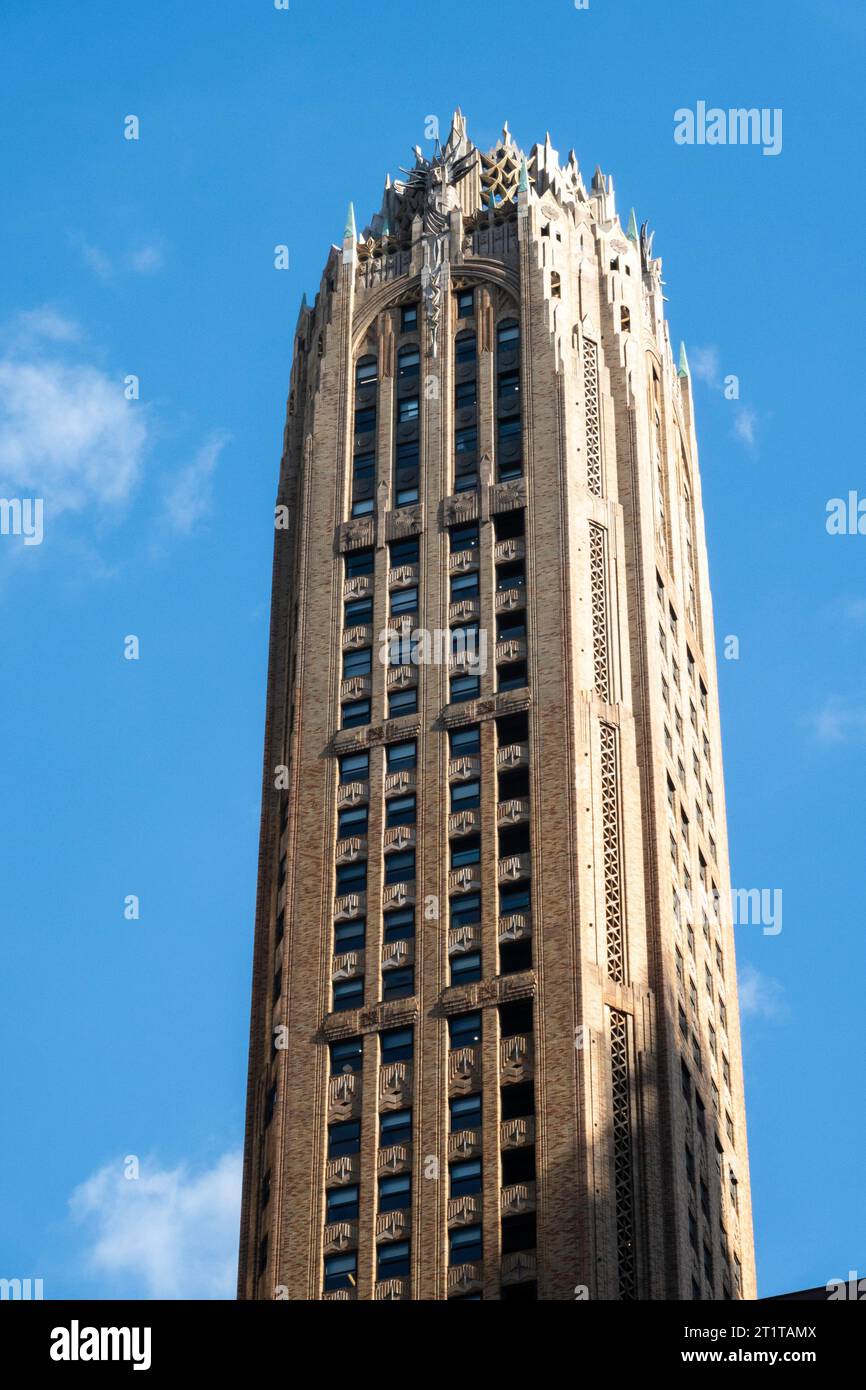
column 591, row 413
column 622, row 1156
column 598, row 587
column 611, row 849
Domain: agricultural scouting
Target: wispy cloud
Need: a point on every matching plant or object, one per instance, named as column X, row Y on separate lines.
column 760, row 996
column 704, row 364
column 45, row 322
column 144, row 259
column 97, row 261
column 840, row 722
column 170, row 1233
column 745, row 424
column 190, row 494
column 852, row 610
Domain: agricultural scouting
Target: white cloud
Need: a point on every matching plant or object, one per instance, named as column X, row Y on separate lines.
column 839, row 723
column 99, row 263
column 759, row 995
column 190, row 495
column 170, row 1233
column 145, row 260
column 67, row 434
column 704, row 364
column 853, row 609
column 745, row 422
column 46, row 322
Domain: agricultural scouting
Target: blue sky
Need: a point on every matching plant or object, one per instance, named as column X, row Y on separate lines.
column 155, row 258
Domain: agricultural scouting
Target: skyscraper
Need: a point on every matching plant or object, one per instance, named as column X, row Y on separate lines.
column 495, row 1043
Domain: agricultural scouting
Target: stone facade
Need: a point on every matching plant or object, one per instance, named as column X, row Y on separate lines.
column 517, row 991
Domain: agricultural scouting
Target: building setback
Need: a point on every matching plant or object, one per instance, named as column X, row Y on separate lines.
column 495, row 1045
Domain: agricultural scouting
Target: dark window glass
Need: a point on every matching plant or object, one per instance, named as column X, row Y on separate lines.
column 464, row 1245
column 465, row 1113
column 465, row 349
column 408, row 362
column 511, row 676
column 349, row 936
column 400, row 810
column 517, row 1102
column 404, row 601
column 464, row 1030
column 466, row 968
column 342, row 1204
column 344, row 1138
column 466, row 743
column 466, row 851
column 395, row 1127
column 399, row 925
column 518, row 1165
column 392, row 1260
column 518, row 1233
column 396, row 1045
column 341, row 1271
column 363, row 484
column 402, row 702
column 366, row 372
column 401, row 755
column 465, row 909
column 359, row 562
column 464, row 586
column 515, row 1018
column 352, row 821
column 354, row 712
column 352, row 878
column 406, row 482
column 358, row 662
column 398, row 984
column 465, row 688
column 395, row 1193
column 404, row 552
column 510, row 576
column 465, row 1177
column 464, row 537
column 358, row 612
column 347, row 1055
column 465, row 796
column 348, row 994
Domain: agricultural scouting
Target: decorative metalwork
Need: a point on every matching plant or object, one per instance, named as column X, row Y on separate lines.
column 622, row 1156
column 592, row 417
column 598, row 590
column 611, row 851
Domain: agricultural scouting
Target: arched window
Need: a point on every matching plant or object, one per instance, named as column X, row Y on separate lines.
column 366, row 371
column 625, row 319
column 408, row 362
column 465, row 348
column 555, row 285
column 508, row 333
